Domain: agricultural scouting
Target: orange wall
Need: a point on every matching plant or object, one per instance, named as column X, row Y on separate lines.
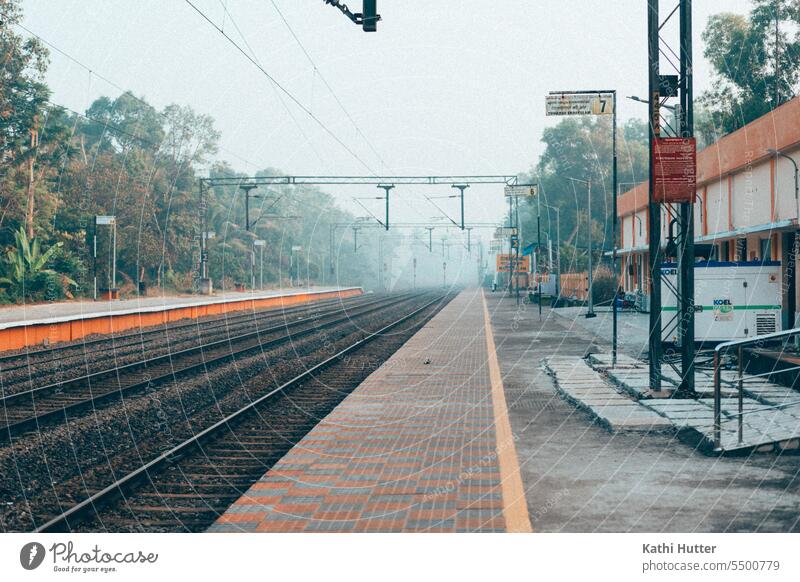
column 779, row 129
column 20, row 336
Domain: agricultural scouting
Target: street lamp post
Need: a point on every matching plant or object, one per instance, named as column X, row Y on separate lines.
column 260, row 244
column 558, row 248
column 590, row 313
column 539, row 250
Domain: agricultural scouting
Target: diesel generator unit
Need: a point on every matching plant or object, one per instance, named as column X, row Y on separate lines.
column 733, row 300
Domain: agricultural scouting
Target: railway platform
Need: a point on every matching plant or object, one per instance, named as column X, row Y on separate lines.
column 22, row 326
column 464, row 430
column 424, row 444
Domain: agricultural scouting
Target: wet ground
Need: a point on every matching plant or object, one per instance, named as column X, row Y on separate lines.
column 580, row 477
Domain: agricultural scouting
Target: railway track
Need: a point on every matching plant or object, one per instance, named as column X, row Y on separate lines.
column 44, row 361
column 31, row 410
column 187, row 487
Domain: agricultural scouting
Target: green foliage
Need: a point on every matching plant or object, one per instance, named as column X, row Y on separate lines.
column 24, row 272
column 581, row 148
column 742, row 51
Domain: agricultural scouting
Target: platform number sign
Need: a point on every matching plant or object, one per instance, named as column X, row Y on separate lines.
column 579, row 103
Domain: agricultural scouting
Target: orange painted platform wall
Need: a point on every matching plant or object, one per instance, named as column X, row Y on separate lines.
column 14, row 338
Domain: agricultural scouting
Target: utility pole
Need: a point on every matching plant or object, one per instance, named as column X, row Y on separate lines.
column 253, row 268
column 206, row 287
column 380, row 262
column 516, row 275
column 261, row 244
column 590, row 312
column 539, row 249
column 686, row 259
column 558, row 248
column 510, row 246
column 654, row 208
column 614, row 229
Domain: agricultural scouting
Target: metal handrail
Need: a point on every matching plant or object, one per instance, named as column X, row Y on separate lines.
column 718, row 384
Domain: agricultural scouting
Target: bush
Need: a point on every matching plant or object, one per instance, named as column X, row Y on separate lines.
column 603, row 286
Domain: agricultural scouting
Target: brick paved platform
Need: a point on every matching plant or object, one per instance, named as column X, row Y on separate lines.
column 422, row 445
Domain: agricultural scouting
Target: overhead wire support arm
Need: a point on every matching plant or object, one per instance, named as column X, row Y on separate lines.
column 378, row 220
column 367, row 19
column 430, row 199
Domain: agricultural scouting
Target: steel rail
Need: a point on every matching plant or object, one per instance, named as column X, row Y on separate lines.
column 78, row 513
column 206, row 325
column 9, row 430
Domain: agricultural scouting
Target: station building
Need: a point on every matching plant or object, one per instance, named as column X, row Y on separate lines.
column 746, row 207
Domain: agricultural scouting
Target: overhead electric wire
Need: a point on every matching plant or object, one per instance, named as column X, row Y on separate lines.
column 325, row 81
column 283, row 89
column 118, row 88
column 278, row 95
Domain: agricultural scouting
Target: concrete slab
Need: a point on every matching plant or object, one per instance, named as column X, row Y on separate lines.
column 587, row 389
column 580, row 477
column 59, row 311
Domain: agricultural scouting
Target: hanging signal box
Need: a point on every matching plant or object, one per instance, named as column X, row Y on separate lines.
column 370, row 16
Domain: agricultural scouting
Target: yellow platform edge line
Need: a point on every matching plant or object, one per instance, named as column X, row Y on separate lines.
column 515, row 506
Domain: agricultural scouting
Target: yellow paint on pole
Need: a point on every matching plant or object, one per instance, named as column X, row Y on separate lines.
column 515, row 507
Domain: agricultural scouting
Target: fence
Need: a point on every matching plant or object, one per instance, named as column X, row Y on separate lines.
column 575, row 285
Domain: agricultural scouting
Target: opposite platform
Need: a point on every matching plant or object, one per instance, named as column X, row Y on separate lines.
column 22, row 326
column 423, row 444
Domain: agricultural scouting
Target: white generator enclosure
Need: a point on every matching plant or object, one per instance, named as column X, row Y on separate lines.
column 733, row 300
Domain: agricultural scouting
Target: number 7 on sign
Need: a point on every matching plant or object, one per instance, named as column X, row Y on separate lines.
column 602, row 106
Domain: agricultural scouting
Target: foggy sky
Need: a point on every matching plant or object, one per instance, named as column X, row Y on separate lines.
column 447, row 87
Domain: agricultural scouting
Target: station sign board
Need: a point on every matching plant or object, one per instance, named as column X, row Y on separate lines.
column 674, row 170
column 296, row 248
column 505, row 231
column 521, row 264
column 579, row 103
column 103, row 220
column 522, row 191
column 259, row 243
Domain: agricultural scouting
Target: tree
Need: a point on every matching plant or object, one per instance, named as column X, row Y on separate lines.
column 580, row 148
column 24, row 267
column 23, row 96
column 755, row 69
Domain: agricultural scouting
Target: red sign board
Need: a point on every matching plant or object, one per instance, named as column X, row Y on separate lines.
column 674, row 169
